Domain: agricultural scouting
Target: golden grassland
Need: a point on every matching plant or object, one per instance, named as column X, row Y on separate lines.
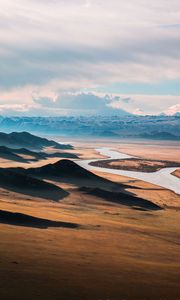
column 136, row 164
column 116, row 252
column 177, row 173
column 156, row 152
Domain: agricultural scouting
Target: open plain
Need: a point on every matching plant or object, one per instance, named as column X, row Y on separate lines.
column 113, row 239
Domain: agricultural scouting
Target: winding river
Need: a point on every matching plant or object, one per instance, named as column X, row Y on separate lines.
column 161, row 178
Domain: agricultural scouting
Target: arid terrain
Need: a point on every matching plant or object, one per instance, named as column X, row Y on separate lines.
column 177, row 173
column 157, row 150
column 89, row 238
column 136, row 164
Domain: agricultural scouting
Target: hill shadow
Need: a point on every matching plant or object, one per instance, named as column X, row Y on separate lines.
column 30, row 156
column 87, row 182
column 18, row 219
column 125, row 199
column 27, row 185
column 8, row 154
column 69, row 172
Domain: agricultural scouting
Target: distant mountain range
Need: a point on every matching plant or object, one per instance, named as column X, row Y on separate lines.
column 144, row 127
column 161, row 135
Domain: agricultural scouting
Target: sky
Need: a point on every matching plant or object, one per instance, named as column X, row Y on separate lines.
column 89, row 56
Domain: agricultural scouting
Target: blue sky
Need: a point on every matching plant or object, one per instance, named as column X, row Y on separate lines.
column 171, row 87
column 118, row 55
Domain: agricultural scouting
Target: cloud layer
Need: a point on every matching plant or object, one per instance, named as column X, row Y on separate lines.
column 48, row 48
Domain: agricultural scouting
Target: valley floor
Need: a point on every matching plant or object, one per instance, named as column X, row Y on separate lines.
column 114, row 252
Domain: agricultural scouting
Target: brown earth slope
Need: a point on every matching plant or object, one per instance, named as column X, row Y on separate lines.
column 101, row 248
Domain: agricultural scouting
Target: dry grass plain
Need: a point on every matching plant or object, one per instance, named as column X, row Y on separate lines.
column 177, row 173
column 136, row 164
column 161, row 151
column 115, row 253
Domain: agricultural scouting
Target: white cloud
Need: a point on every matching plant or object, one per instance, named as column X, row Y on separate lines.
column 172, row 110
column 138, row 112
column 16, row 109
column 48, row 47
column 148, row 104
column 64, row 103
column 80, row 103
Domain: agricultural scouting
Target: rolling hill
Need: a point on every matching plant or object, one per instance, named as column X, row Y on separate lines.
column 27, row 185
column 7, row 153
column 89, row 183
column 25, row 155
column 68, row 171
column 28, row 141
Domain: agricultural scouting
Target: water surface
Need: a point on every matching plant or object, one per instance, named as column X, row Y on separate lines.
column 162, row 177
